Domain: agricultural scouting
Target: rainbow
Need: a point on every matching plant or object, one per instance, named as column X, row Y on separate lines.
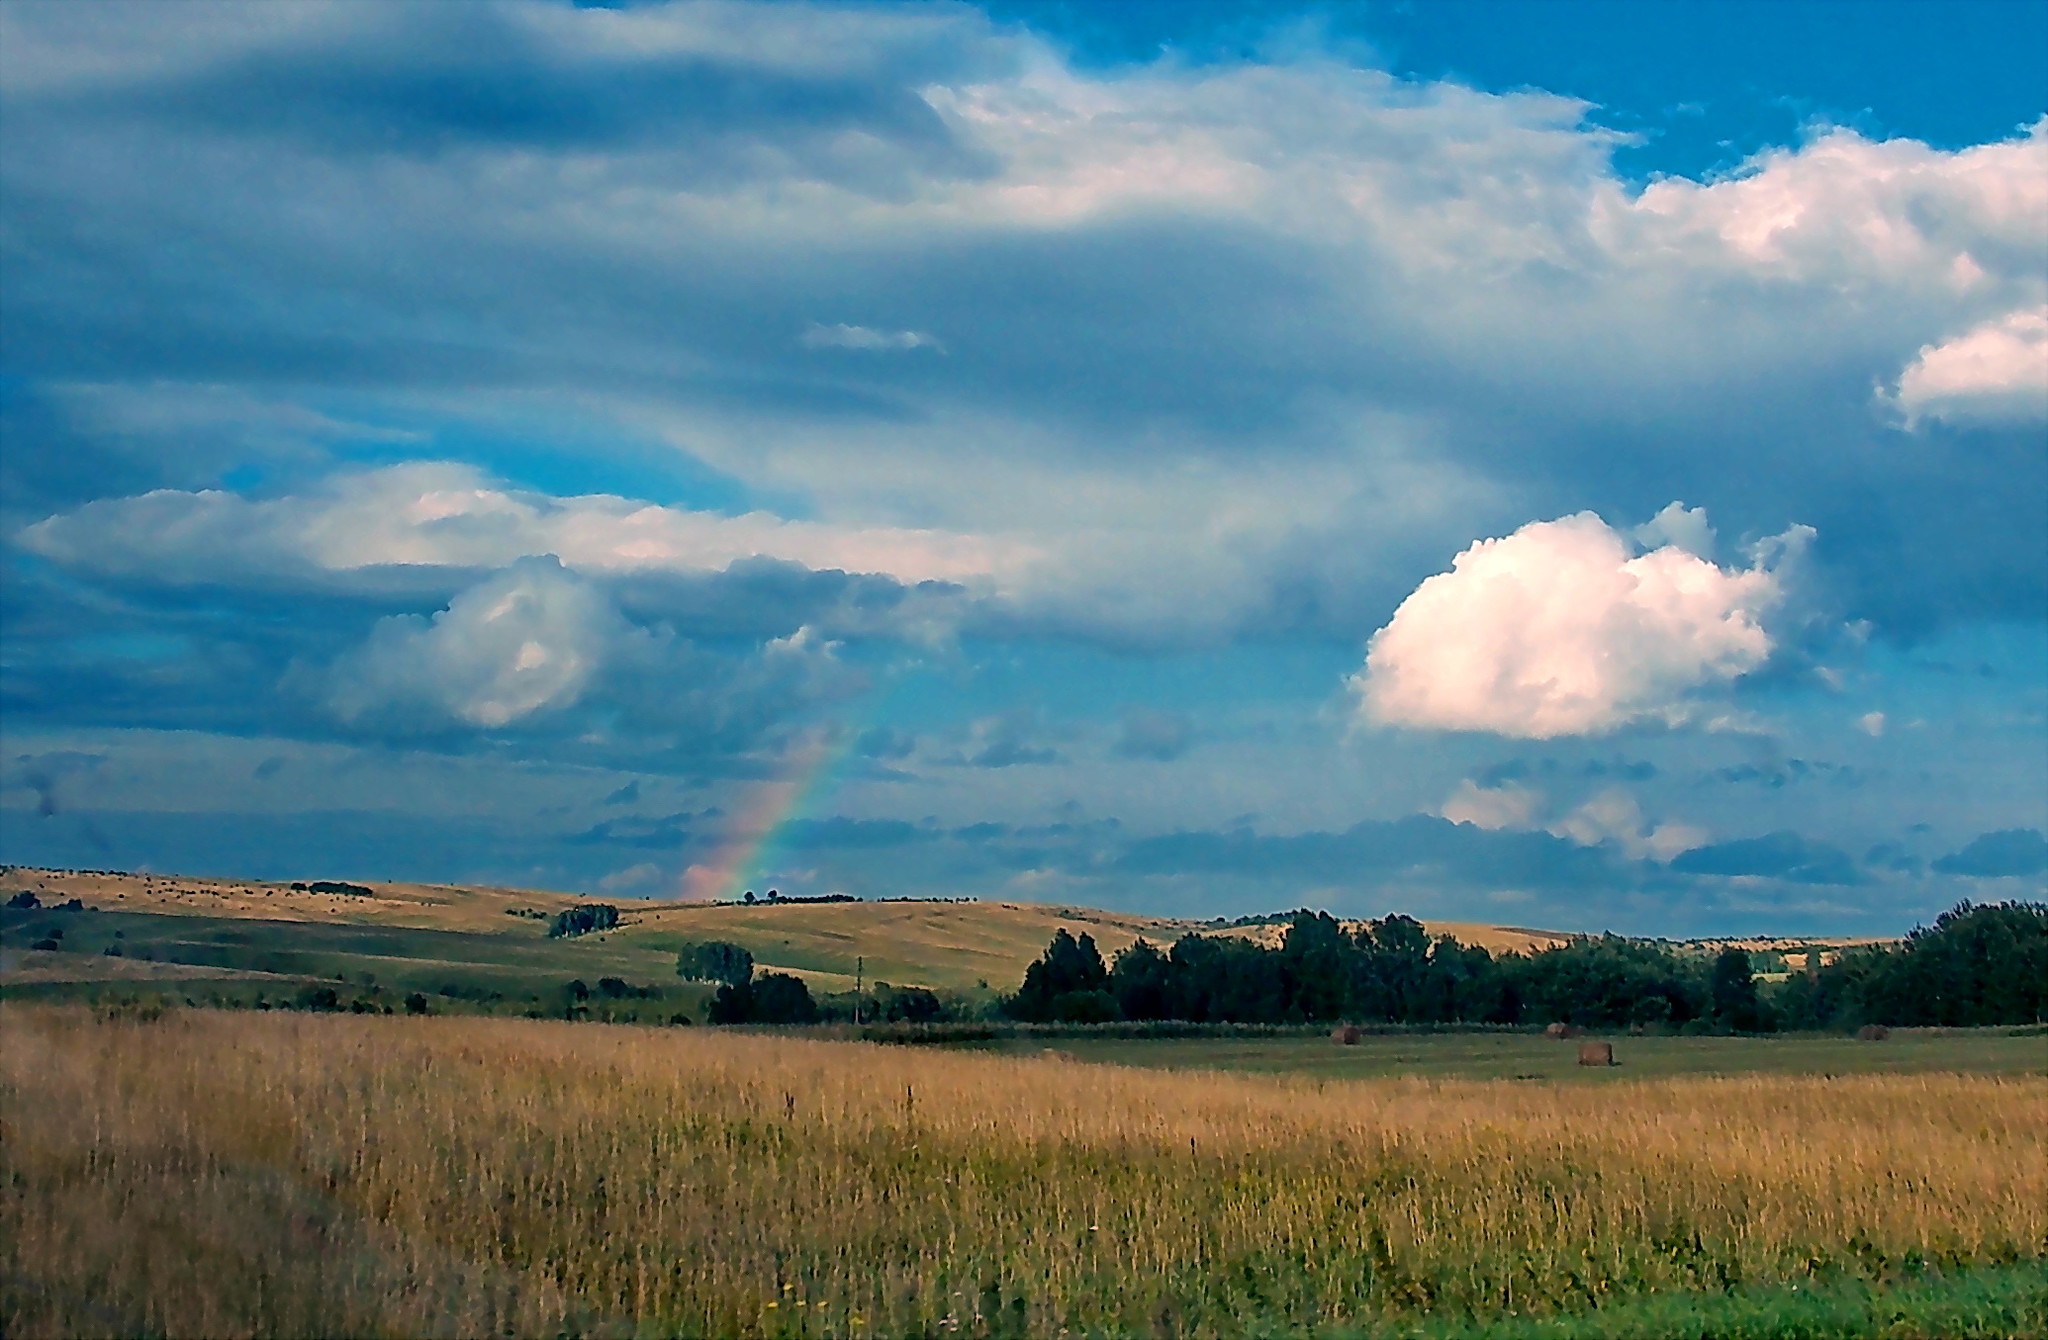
column 751, row 846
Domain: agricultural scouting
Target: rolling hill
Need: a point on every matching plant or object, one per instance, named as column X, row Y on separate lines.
column 493, row 942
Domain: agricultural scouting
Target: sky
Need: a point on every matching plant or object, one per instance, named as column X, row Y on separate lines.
column 1579, row 465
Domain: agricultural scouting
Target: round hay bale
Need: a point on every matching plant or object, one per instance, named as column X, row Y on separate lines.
column 1596, row 1053
column 1872, row 1033
column 1560, row 1030
column 1346, row 1035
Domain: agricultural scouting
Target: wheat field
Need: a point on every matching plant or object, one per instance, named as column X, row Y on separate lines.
column 227, row 1174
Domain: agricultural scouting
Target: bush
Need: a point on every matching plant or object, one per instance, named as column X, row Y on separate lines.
column 416, row 1004
column 336, row 886
column 912, row 1005
column 24, row 900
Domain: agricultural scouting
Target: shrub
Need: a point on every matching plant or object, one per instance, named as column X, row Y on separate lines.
column 912, row 1005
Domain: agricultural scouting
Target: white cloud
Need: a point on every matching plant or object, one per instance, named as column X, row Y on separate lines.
column 1871, row 724
column 1287, row 293
column 445, row 515
column 1508, row 806
column 526, row 641
column 1560, row 629
column 1996, row 372
column 1613, row 817
column 862, row 337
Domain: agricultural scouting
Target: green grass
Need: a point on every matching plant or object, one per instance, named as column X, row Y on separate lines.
column 1998, row 1303
column 1533, row 1057
column 513, row 970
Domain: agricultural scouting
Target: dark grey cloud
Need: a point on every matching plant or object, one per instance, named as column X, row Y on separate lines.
column 668, row 832
column 1420, row 846
column 2013, row 851
column 426, row 79
column 1780, row 855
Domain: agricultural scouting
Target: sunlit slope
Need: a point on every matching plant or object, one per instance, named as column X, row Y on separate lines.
column 946, row 945
column 961, row 946
column 447, row 907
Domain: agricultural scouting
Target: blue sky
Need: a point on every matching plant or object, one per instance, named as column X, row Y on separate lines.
column 1580, row 465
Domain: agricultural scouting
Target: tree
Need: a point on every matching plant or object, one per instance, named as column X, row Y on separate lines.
column 1973, row 966
column 715, row 961
column 771, row 998
column 1139, row 979
column 583, row 920
column 1069, row 967
column 1313, row 959
column 1731, row 993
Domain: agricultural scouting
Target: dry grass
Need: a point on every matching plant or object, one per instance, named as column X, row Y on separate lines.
column 239, row 1174
column 944, row 945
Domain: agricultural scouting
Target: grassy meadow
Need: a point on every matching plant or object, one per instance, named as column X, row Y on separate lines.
column 213, row 1173
column 1522, row 1055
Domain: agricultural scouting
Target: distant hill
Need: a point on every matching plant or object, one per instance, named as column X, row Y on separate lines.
column 963, row 946
column 959, row 946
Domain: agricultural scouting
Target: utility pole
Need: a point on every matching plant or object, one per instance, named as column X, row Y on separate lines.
column 860, row 965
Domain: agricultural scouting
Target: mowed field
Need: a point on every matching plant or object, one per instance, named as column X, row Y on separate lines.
column 212, row 1173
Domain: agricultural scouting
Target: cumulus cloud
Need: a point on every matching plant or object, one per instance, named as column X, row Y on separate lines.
column 526, row 641
column 1995, row 372
column 1614, row 817
column 1562, row 629
column 1491, row 807
column 1359, row 314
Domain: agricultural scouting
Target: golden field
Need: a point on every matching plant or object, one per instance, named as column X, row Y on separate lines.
column 967, row 946
column 224, row 1174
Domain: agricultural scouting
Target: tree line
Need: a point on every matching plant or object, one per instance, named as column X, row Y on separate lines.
column 1975, row 965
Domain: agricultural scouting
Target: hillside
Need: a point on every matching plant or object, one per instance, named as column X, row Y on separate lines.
column 497, row 934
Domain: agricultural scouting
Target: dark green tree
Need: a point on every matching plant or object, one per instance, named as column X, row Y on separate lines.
column 771, row 998
column 1731, row 992
column 714, row 961
column 1067, row 983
